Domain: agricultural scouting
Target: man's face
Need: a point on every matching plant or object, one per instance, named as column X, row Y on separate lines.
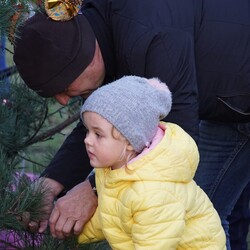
column 89, row 80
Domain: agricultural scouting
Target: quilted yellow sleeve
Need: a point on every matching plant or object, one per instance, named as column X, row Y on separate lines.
column 92, row 231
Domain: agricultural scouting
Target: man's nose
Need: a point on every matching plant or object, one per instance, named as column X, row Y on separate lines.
column 62, row 98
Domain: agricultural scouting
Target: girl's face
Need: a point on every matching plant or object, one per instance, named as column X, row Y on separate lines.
column 104, row 150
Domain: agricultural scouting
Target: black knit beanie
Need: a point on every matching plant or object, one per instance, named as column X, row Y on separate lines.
column 50, row 55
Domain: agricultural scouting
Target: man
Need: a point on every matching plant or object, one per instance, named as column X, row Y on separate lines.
column 109, row 40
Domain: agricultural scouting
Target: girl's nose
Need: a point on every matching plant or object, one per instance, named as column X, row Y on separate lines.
column 87, row 140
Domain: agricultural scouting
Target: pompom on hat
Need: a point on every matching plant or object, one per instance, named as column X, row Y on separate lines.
column 50, row 55
column 133, row 105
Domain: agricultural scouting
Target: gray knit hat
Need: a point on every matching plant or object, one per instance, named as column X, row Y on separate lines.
column 133, row 105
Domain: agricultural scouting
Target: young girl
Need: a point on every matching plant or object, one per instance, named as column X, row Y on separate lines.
column 147, row 198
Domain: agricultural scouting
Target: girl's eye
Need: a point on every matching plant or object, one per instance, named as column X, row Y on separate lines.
column 98, row 135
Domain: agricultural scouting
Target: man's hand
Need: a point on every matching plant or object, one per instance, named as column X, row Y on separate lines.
column 51, row 188
column 72, row 211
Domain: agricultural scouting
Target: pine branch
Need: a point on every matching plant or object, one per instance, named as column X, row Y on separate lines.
column 29, row 160
column 47, row 134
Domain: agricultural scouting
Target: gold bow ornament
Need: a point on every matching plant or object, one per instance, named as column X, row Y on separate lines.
column 62, row 10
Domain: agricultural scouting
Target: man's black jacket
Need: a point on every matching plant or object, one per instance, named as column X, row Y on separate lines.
column 222, row 48
column 144, row 38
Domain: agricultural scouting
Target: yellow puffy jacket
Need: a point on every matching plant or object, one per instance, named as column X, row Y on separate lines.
column 154, row 203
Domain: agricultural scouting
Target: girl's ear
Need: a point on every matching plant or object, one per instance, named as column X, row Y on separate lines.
column 129, row 147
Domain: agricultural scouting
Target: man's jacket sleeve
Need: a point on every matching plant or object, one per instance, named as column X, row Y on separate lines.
column 170, row 57
column 70, row 165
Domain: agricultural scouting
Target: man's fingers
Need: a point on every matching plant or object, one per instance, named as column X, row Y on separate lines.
column 43, row 226
column 68, row 226
column 79, row 227
column 71, row 211
column 63, row 228
column 53, row 221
